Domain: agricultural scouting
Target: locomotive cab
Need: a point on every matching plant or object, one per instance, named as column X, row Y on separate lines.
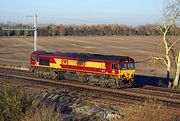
column 126, row 69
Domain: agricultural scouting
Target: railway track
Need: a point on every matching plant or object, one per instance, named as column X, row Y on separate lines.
column 16, row 72
column 165, row 96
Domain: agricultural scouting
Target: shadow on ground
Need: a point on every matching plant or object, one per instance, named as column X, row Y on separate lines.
column 142, row 80
column 1, row 53
column 10, row 53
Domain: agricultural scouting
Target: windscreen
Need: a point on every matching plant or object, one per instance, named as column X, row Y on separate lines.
column 122, row 66
column 131, row 66
column 127, row 65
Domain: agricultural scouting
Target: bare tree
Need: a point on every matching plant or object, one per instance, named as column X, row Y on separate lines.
column 171, row 14
column 176, row 80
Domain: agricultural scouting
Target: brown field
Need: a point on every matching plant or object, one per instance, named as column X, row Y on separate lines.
column 16, row 50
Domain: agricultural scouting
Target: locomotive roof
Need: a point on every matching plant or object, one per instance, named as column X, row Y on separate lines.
column 82, row 56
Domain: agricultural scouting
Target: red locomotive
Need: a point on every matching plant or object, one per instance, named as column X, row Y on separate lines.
column 105, row 70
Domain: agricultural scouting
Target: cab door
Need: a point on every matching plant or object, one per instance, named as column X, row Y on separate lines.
column 114, row 68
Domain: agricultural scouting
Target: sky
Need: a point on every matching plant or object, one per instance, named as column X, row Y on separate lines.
column 129, row 12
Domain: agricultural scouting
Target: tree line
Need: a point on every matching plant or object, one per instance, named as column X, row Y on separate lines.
column 84, row 30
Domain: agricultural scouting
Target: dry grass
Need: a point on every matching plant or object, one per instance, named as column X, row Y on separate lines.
column 16, row 104
column 16, row 50
column 42, row 114
column 150, row 111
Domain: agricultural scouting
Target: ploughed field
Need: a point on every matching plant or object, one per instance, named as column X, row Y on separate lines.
column 16, row 50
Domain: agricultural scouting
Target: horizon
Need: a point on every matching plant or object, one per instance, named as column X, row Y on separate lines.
column 9, row 23
column 79, row 12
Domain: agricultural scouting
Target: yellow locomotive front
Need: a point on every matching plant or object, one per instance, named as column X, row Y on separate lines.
column 127, row 71
column 123, row 72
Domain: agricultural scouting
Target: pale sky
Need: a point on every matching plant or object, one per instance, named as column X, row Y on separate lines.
column 129, row 12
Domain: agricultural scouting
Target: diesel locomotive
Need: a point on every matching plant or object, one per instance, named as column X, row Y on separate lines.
column 96, row 69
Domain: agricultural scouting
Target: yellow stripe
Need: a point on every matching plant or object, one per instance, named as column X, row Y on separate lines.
column 57, row 64
column 94, row 64
column 72, row 62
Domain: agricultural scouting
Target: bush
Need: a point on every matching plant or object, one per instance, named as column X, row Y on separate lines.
column 42, row 114
column 14, row 102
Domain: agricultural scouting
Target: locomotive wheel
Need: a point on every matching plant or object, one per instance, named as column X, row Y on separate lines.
column 55, row 76
column 86, row 79
column 118, row 83
column 115, row 85
column 45, row 76
column 125, row 84
column 98, row 83
column 41, row 75
column 101, row 81
column 35, row 73
column 81, row 77
column 49, row 76
column 103, row 84
column 129, row 84
column 121, row 84
column 90, row 80
column 112, row 83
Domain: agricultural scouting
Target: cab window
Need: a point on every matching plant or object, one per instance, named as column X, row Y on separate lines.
column 114, row 66
column 33, row 58
column 44, row 61
column 123, row 66
column 130, row 66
